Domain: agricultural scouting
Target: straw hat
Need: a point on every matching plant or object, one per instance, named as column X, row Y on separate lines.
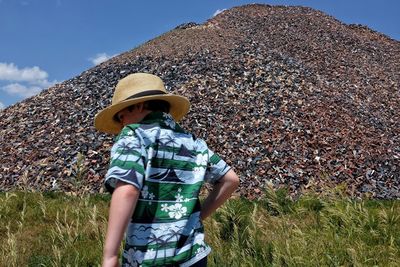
column 136, row 88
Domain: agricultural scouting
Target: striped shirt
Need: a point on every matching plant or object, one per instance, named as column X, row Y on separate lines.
column 168, row 165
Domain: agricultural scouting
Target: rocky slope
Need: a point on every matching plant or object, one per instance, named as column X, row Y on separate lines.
column 287, row 95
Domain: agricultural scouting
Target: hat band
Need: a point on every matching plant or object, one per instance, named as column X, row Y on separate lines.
column 147, row 93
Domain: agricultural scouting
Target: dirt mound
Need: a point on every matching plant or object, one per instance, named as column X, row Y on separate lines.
column 287, row 95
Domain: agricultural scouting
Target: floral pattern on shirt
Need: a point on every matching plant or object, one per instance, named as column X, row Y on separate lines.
column 168, row 165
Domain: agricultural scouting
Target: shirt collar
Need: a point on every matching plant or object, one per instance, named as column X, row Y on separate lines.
column 165, row 120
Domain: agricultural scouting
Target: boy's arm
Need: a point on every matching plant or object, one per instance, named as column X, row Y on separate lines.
column 222, row 190
column 123, row 202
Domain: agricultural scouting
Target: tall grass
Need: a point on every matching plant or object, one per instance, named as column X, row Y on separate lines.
column 51, row 229
column 308, row 232
column 57, row 229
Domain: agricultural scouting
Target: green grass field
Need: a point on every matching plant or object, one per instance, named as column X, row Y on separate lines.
column 57, row 229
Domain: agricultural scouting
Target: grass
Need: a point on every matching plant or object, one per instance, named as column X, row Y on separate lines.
column 57, row 229
column 52, row 229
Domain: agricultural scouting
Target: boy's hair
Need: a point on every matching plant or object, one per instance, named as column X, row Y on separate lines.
column 157, row 105
column 153, row 105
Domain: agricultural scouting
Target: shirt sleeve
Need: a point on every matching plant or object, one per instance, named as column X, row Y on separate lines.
column 126, row 163
column 216, row 168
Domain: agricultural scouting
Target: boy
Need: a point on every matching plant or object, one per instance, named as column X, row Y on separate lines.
column 155, row 175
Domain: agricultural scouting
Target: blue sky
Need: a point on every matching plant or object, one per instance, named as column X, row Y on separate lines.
column 48, row 41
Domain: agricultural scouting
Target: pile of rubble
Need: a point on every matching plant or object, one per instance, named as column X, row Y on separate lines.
column 286, row 95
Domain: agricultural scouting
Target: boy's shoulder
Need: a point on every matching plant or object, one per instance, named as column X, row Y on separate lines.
column 127, row 131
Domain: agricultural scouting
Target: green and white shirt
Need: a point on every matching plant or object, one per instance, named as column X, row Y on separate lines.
column 168, row 165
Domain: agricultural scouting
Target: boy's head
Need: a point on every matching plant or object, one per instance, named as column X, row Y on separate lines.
column 140, row 90
column 136, row 112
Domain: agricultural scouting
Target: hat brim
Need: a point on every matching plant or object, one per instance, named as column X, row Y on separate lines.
column 104, row 120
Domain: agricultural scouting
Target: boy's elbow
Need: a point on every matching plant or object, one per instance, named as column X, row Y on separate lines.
column 236, row 182
column 232, row 179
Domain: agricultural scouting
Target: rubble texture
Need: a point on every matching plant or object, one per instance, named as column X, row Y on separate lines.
column 286, row 95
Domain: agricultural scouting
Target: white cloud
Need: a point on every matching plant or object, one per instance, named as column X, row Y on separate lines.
column 2, row 106
column 218, row 11
column 22, row 90
column 23, row 82
column 100, row 58
column 11, row 72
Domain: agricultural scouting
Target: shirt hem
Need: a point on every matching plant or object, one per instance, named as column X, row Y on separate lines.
column 108, row 182
column 217, row 180
column 196, row 258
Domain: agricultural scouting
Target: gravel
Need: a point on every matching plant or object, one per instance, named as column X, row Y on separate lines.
column 288, row 96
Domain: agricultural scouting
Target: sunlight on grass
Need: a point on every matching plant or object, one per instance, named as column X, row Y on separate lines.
column 51, row 229
column 57, row 229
